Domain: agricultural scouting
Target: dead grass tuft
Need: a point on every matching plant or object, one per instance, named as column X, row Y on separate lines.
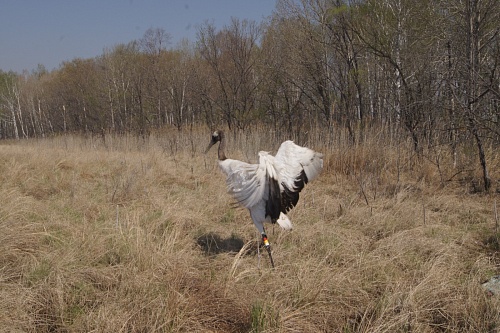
column 129, row 234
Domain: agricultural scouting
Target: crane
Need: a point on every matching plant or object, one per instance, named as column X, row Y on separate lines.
column 270, row 188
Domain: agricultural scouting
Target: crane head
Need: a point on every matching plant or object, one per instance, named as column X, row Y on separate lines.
column 216, row 137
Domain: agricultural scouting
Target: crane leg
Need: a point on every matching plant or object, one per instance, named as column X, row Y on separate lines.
column 268, row 247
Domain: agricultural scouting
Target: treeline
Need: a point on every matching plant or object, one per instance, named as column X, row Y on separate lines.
column 427, row 70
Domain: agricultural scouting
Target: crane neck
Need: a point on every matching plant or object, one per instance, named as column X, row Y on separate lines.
column 222, row 147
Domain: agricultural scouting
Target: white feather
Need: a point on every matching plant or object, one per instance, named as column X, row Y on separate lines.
column 245, row 182
column 291, row 159
column 284, row 222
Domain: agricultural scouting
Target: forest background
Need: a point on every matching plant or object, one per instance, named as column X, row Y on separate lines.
column 426, row 71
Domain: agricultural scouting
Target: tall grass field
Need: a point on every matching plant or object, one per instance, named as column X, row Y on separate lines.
column 131, row 234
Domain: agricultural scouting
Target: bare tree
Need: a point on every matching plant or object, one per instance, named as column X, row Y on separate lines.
column 403, row 34
column 232, row 54
column 478, row 64
column 8, row 100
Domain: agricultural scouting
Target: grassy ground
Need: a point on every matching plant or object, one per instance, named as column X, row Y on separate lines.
column 132, row 235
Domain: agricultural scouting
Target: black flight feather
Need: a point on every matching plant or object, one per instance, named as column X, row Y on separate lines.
column 273, row 203
column 290, row 197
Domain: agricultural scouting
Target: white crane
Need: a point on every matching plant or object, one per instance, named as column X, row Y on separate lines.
column 269, row 189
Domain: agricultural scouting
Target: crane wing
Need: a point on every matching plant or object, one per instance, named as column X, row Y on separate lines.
column 296, row 166
column 276, row 180
column 245, row 182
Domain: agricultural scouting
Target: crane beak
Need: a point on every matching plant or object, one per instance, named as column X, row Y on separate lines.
column 209, row 146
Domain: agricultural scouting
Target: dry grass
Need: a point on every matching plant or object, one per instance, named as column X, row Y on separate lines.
column 133, row 235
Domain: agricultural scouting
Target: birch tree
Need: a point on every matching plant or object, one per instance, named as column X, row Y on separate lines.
column 477, row 62
column 9, row 103
column 232, row 54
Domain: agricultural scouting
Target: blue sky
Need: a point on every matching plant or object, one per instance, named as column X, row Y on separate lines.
column 49, row 32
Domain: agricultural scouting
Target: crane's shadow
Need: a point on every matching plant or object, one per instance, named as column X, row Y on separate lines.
column 212, row 244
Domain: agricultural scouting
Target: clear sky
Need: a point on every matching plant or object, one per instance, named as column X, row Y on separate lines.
column 49, row 32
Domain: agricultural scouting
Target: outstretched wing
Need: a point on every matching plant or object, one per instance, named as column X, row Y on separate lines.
column 295, row 166
column 276, row 180
column 245, row 182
